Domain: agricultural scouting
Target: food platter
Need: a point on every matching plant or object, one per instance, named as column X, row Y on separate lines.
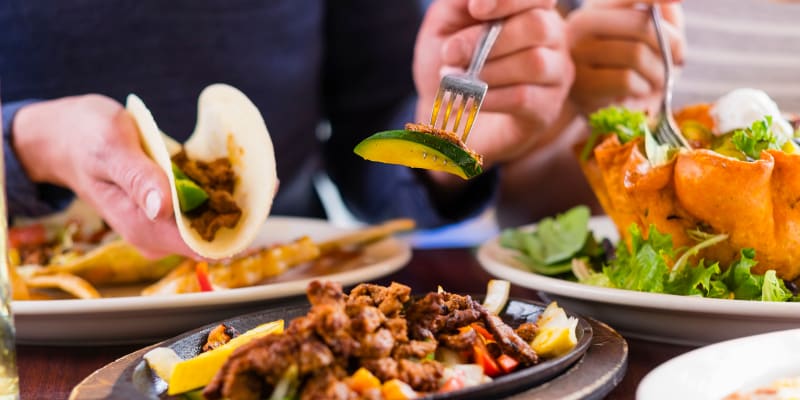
column 122, row 316
column 719, row 370
column 590, row 370
column 660, row 317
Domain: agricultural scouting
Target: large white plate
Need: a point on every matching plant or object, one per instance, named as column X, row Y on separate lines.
column 131, row 318
column 715, row 371
column 660, row 317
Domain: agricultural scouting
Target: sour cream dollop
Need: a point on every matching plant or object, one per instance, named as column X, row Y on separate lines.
column 739, row 108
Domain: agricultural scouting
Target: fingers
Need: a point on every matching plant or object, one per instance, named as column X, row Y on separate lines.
column 136, row 174
column 535, row 27
column 537, row 104
column 624, row 24
column 448, row 16
column 153, row 238
column 625, row 3
column 485, row 10
column 611, row 54
column 537, row 66
column 610, row 82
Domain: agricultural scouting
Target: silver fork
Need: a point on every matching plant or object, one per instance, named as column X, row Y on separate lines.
column 466, row 87
column 666, row 129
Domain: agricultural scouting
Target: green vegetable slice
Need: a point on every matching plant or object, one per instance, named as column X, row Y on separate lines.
column 420, row 150
column 190, row 194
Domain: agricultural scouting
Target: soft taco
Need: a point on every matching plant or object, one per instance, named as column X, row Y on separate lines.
column 223, row 178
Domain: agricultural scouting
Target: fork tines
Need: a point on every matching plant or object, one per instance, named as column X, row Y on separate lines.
column 664, row 133
column 469, row 95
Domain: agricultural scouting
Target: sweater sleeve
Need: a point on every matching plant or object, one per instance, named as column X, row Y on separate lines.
column 25, row 197
column 369, row 88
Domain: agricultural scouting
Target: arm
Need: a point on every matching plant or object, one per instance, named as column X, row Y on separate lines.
column 26, row 198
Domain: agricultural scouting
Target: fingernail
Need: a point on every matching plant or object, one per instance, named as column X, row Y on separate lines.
column 152, row 205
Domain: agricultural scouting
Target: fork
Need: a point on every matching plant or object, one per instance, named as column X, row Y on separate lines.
column 465, row 86
column 666, row 129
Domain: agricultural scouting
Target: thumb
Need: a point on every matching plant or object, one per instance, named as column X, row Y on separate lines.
column 138, row 175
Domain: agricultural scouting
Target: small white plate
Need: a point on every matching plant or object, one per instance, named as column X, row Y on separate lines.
column 667, row 318
column 718, row 370
column 140, row 319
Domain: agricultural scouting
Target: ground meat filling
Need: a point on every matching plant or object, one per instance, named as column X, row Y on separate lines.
column 381, row 329
column 218, row 180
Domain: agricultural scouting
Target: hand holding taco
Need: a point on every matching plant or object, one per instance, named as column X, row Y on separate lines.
column 223, row 179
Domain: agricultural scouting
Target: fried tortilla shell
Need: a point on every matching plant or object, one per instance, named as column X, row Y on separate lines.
column 755, row 203
column 228, row 125
column 115, row 262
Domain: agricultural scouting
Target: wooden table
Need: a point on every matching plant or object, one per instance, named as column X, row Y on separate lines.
column 51, row 372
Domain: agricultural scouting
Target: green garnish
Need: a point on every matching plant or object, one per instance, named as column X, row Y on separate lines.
column 626, row 124
column 755, row 139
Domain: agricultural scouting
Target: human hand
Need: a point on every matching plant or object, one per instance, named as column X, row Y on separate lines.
column 616, row 53
column 90, row 144
column 528, row 71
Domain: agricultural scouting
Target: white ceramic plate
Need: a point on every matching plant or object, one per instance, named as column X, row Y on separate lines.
column 718, row 370
column 660, row 317
column 131, row 318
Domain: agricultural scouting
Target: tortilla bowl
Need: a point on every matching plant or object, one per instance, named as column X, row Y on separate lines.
column 757, row 203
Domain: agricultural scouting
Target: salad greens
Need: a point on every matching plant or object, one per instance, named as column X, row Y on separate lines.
column 564, row 246
column 550, row 249
column 755, row 139
column 627, row 124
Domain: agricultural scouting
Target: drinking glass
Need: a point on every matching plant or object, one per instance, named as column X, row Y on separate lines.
column 9, row 381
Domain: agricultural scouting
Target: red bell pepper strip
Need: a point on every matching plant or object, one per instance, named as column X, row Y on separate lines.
column 201, row 271
column 484, row 359
column 507, row 363
column 483, row 332
column 31, row 235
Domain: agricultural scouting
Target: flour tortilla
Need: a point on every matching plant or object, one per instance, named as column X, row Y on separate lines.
column 228, row 125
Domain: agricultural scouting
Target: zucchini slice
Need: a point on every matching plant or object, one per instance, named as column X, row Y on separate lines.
column 427, row 149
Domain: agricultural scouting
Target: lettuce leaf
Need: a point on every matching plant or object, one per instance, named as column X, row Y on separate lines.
column 643, row 267
column 549, row 249
column 626, row 124
column 755, row 139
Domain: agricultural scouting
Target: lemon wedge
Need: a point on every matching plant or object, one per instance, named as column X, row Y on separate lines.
column 556, row 335
column 197, row 371
column 497, row 292
column 162, row 360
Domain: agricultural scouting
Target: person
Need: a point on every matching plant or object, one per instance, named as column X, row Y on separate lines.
column 617, row 61
column 65, row 67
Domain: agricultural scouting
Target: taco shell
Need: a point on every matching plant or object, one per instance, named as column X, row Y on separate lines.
column 228, row 125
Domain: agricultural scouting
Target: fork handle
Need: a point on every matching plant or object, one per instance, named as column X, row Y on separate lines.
column 484, row 46
column 666, row 52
